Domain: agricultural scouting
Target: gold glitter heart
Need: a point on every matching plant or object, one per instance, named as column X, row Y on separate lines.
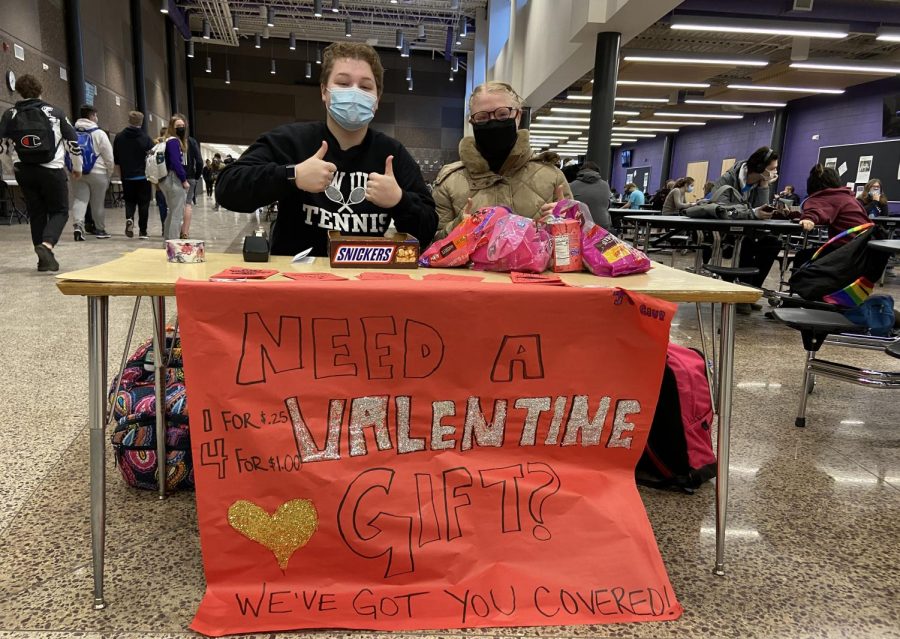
column 288, row 530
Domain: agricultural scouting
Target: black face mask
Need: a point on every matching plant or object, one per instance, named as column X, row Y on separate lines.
column 180, row 131
column 494, row 140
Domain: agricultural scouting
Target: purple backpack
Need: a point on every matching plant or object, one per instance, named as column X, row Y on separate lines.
column 679, row 452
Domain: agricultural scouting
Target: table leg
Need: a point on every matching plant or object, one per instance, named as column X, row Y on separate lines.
column 647, row 230
column 725, row 372
column 159, row 359
column 98, row 314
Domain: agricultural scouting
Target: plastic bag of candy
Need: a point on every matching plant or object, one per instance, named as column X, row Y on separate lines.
column 565, row 226
column 515, row 243
column 456, row 249
column 607, row 256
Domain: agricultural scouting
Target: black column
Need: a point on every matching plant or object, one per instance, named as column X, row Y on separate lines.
column 525, row 121
column 76, row 55
column 603, row 101
column 666, row 171
column 778, row 130
column 189, row 79
column 170, row 67
column 137, row 49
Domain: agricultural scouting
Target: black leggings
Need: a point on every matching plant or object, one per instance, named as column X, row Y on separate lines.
column 46, row 194
column 137, row 193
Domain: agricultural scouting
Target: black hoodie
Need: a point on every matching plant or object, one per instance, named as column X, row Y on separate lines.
column 130, row 149
column 259, row 178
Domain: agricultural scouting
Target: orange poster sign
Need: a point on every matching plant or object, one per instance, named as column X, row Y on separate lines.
column 412, row 455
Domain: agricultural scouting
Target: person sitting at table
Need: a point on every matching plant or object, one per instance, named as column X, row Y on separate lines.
column 333, row 175
column 830, row 203
column 873, row 199
column 634, row 198
column 676, row 200
column 497, row 166
column 708, row 189
column 789, row 194
column 748, row 183
column 659, row 198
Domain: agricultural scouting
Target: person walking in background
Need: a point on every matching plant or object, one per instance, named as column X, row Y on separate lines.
column 38, row 136
column 206, row 173
column 589, row 187
column 214, row 169
column 97, row 168
column 676, row 200
column 176, row 185
column 634, row 198
column 130, row 149
column 193, row 168
column 160, row 196
column 873, row 199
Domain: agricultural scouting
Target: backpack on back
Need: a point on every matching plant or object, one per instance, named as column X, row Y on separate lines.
column 88, row 154
column 679, row 452
column 32, row 134
column 155, row 164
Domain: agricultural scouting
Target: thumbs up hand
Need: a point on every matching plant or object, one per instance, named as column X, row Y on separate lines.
column 314, row 174
column 382, row 189
column 547, row 209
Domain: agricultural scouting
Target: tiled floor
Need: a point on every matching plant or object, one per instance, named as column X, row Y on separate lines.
column 812, row 549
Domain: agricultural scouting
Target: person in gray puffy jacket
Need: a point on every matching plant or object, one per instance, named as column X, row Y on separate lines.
column 593, row 190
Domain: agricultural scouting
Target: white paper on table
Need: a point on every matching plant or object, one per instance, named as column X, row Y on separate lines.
column 864, row 169
column 303, row 257
column 831, row 163
column 842, row 169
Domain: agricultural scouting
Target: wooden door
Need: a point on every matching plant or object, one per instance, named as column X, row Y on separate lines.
column 698, row 171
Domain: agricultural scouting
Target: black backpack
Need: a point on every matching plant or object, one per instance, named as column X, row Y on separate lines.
column 32, row 134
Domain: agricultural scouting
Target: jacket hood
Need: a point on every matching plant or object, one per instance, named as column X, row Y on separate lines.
column 132, row 132
column 84, row 123
column 588, row 176
column 478, row 167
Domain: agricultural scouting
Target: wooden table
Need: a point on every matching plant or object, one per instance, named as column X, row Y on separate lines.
column 145, row 272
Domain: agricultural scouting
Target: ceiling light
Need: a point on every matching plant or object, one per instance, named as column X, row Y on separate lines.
column 553, row 118
column 633, row 128
column 266, row 33
column 404, row 51
column 888, row 34
column 234, row 21
column 737, row 103
column 308, row 70
column 335, row 6
column 207, row 31
column 398, row 39
column 681, row 58
column 795, row 28
column 463, row 26
column 766, row 87
column 270, row 16
column 559, row 126
column 256, row 42
column 667, row 122
column 190, row 49
column 579, row 96
column 318, row 54
column 648, row 83
column 348, row 27
column 715, row 116
column 292, row 42
column 633, row 135
column 317, row 8
column 568, row 110
column 615, row 144
column 656, row 100
column 409, row 72
column 227, row 76
column 164, row 6
column 850, row 66
column 454, row 64
column 421, row 33
column 272, row 68
column 208, row 64
column 410, row 87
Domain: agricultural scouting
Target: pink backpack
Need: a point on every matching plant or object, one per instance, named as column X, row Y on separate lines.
column 679, row 452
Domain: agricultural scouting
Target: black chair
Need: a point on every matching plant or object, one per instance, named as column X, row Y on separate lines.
column 733, row 274
column 816, row 327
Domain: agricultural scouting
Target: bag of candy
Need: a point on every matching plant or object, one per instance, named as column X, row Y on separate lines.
column 607, row 256
column 565, row 227
column 515, row 243
column 457, row 247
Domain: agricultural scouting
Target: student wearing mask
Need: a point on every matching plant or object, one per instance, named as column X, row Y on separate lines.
column 634, row 198
column 873, row 199
column 176, row 185
column 830, row 203
column 749, row 185
column 676, row 200
column 497, row 166
column 593, row 190
column 333, row 175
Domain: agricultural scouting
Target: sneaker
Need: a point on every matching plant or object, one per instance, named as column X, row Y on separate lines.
column 129, row 228
column 102, row 235
column 79, row 234
column 46, row 259
column 143, row 236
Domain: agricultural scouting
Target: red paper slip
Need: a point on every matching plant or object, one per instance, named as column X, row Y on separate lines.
column 382, row 276
column 451, row 277
column 325, row 277
column 536, row 278
column 241, row 273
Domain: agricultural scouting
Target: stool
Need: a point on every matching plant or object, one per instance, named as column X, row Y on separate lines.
column 732, row 273
column 815, row 326
column 894, row 349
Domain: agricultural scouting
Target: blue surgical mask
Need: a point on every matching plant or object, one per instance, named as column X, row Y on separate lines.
column 690, row 188
column 351, row 108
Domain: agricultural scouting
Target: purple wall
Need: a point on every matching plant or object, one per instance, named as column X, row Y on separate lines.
column 720, row 140
column 850, row 118
column 647, row 152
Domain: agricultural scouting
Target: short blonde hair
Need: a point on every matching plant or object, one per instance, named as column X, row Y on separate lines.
column 496, row 87
column 353, row 51
column 135, row 118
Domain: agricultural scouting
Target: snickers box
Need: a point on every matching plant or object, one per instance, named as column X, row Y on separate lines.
column 397, row 250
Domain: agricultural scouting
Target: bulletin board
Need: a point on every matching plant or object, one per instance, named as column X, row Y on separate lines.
column 640, row 175
column 864, row 161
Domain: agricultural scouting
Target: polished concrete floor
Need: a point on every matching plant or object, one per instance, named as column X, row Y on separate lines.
column 814, row 535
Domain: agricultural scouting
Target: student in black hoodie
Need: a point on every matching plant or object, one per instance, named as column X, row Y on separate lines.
column 333, row 175
column 130, row 149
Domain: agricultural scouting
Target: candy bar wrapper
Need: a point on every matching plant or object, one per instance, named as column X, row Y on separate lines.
column 607, row 256
column 457, row 247
column 565, row 235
